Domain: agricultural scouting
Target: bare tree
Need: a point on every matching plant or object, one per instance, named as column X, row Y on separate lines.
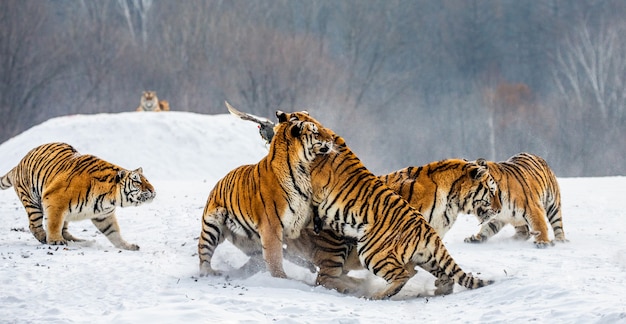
column 136, row 14
column 590, row 66
column 28, row 45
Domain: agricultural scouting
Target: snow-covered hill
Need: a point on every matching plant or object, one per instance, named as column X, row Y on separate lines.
column 184, row 154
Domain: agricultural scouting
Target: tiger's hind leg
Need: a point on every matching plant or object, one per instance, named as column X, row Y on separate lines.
column 332, row 276
column 210, row 237
column 336, row 257
column 444, row 284
column 396, row 276
column 109, row 227
column 55, row 220
column 535, row 217
column 35, row 219
column 554, row 217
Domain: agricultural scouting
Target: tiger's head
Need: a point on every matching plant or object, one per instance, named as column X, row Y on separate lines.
column 317, row 139
column 135, row 189
column 482, row 191
column 149, row 100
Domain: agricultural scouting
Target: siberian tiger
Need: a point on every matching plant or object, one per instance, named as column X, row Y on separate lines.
column 391, row 236
column 257, row 205
column 150, row 102
column 439, row 191
column 530, row 194
column 55, row 182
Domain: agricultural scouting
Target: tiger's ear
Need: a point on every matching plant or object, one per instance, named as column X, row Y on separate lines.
column 481, row 162
column 282, row 117
column 120, row 175
column 477, row 172
column 139, row 170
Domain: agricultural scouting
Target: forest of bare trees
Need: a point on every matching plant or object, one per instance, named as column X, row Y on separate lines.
column 405, row 82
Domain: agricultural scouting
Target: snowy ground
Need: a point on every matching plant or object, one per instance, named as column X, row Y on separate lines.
column 184, row 154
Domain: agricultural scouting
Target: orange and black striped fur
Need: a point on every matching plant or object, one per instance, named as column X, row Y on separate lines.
column 392, row 238
column 56, row 183
column 257, row 205
column 438, row 190
column 530, row 195
column 443, row 189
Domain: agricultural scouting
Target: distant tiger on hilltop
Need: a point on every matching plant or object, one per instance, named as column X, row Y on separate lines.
column 150, row 102
column 55, row 182
column 530, row 194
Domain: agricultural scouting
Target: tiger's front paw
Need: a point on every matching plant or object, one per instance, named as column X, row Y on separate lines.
column 278, row 274
column 56, row 240
column 128, row 246
column 475, row 239
column 543, row 244
column 206, row 270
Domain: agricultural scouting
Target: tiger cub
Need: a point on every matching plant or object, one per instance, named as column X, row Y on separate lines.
column 150, row 102
column 256, row 206
column 530, row 194
column 55, row 182
column 391, row 236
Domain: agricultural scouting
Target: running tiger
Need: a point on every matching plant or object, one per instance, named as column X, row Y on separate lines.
column 150, row 102
column 55, row 182
column 257, row 205
column 530, row 194
column 391, row 236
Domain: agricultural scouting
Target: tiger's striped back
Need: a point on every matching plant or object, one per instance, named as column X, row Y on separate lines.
column 441, row 190
column 530, row 194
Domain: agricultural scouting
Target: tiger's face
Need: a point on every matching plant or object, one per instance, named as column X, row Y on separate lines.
column 317, row 139
column 136, row 189
column 484, row 193
column 149, row 100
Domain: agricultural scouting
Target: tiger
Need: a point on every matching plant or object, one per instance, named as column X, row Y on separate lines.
column 439, row 191
column 150, row 102
column 530, row 193
column 391, row 236
column 257, row 205
column 56, row 183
